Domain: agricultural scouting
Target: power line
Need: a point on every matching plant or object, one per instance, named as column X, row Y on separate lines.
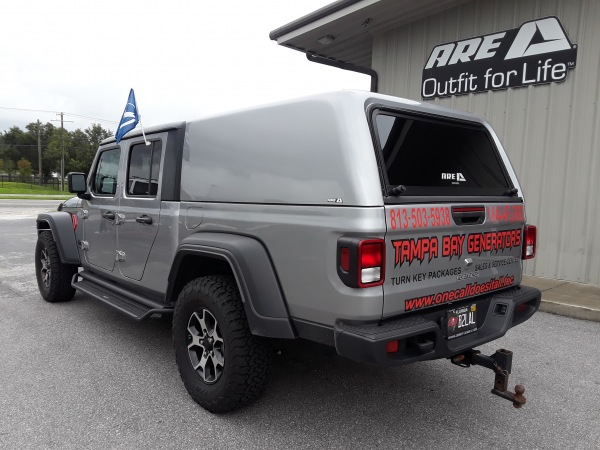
column 57, row 112
column 25, row 109
column 92, row 118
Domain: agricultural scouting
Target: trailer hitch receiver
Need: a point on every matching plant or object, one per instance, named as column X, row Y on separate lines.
column 501, row 363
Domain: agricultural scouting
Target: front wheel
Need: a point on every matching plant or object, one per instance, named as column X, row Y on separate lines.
column 222, row 365
column 53, row 277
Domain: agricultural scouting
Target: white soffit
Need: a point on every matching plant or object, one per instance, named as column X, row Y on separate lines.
column 353, row 26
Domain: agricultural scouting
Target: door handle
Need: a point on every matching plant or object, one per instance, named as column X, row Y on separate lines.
column 109, row 215
column 468, row 215
column 144, row 219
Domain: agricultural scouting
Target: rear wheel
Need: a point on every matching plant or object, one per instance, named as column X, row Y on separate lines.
column 222, row 365
column 53, row 277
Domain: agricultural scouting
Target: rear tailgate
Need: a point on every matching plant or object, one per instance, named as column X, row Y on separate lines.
column 454, row 215
column 437, row 255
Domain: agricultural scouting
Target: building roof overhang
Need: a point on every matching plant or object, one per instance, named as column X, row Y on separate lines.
column 343, row 31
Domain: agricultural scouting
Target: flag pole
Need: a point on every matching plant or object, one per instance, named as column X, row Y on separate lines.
column 141, row 125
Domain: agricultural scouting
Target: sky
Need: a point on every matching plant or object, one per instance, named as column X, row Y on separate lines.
column 184, row 59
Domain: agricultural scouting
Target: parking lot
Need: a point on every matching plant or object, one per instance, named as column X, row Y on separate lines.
column 79, row 375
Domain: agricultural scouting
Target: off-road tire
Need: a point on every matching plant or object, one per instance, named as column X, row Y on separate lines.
column 246, row 358
column 53, row 277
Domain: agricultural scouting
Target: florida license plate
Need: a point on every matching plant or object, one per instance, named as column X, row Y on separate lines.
column 462, row 321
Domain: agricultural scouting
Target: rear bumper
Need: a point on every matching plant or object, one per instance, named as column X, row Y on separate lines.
column 423, row 336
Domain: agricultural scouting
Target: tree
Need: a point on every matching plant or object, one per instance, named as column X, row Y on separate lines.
column 97, row 134
column 14, row 142
column 24, row 168
column 83, row 147
column 61, row 140
column 45, row 131
column 79, row 146
column 1, row 166
column 80, row 154
column 9, row 167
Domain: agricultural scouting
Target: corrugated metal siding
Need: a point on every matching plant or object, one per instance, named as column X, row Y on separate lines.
column 551, row 132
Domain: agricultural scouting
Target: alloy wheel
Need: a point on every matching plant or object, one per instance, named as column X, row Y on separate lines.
column 205, row 346
column 45, row 270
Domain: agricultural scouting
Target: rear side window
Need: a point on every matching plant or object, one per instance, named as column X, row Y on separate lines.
column 434, row 157
column 143, row 170
column 105, row 176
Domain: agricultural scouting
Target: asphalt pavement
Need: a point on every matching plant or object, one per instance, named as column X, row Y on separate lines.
column 79, row 375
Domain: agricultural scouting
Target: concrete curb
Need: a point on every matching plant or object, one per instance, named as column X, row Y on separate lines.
column 567, row 298
column 568, row 310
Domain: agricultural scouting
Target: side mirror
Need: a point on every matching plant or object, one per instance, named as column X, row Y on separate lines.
column 77, row 183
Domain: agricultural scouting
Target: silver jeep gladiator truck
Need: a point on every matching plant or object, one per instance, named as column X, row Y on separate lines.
column 391, row 230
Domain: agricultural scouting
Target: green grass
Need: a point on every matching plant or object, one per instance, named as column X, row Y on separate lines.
column 28, row 189
column 25, row 197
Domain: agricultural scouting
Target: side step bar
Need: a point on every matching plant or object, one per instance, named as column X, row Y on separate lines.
column 128, row 303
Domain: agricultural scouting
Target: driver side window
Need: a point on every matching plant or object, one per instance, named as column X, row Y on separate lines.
column 105, row 177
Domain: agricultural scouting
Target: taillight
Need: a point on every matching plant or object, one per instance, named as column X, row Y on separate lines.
column 345, row 259
column 75, row 221
column 392, row 347
column 371, row 257
column 361, row 262
column 520, row 309
column 529, row 241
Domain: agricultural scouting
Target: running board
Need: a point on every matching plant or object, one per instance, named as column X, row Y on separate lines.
column 136, row 308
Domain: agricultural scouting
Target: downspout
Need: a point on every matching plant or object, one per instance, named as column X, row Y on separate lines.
column 346, row 66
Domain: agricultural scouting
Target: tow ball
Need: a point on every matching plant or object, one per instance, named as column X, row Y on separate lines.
column 501, row 363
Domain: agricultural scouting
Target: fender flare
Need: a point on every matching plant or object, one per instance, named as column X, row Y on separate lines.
column 255, row 276
column 61, row 226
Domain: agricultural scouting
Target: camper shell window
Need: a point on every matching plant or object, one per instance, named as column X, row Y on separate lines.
column 430, row 156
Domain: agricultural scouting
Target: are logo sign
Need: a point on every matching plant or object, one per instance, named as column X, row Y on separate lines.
column 537, row 52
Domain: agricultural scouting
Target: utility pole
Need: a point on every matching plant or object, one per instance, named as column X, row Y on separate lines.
column 39, row 153
column 62, row 146
column 62, row 161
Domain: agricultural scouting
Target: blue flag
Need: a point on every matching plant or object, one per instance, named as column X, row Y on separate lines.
column 130, row 117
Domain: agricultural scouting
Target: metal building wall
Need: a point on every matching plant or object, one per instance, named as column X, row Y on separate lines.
column 551, row 132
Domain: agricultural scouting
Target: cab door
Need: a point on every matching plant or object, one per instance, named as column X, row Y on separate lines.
column 139, row 209
column 100, row 228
